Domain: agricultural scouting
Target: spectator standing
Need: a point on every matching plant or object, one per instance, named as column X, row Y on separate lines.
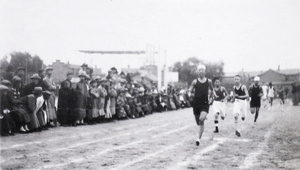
column 50, row 106
column 81, row 103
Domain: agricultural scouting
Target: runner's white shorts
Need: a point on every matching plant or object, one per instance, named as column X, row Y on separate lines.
column 240, row 107
column 219, row 107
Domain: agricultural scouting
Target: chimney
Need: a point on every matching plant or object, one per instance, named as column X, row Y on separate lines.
column 278, row 69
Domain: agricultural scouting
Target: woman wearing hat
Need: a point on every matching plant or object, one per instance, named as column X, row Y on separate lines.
column 102, row 95
column 93, row 112
column 112, row 97
column 64, row 103
column 81, row 103
column 51, row 87
column 29, row 88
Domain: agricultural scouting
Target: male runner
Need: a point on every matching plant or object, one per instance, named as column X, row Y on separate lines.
column 202, row 98
column 255, row 92
column 219, row 102
column 281, row 95
column 271, row 94
column 240, row 94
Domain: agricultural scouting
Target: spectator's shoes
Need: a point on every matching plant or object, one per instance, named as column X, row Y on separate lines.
column 237, row 133
column 243, row 118
column 216, row 131
column 197, row 142
column 22, row 130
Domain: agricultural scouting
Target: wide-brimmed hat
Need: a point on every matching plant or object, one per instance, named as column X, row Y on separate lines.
column 16, row 79
column 97, row 77
column 35, row 76
column 20, row 68
column 6, row 83
column 37, row 90
column 49, row 68
column 3, row 87
column 82, row 75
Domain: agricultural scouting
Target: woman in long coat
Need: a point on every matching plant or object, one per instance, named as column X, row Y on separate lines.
column 94, row 99
column 112, row 98
column 102, row 95
column 81, row 96
column 51, row 87
column 64, row 104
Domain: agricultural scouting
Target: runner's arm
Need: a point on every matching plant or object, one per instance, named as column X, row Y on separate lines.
column 192, row 87
column 233, row 96
column 211, row 88
column 226, row 93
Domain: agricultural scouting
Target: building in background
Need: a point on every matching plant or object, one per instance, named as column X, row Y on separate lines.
column 278, row 77
column 61, row 69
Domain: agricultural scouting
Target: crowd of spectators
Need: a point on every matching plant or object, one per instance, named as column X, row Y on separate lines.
column 37, row 106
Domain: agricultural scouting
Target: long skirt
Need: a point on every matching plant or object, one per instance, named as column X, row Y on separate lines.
column 80, row 110
column 23, row 115
column 108, row 113
column 62, row 115
column 95, row 108
column 50, row 108
column 34, row 122
column 101, row 106
column 42, row 117
column 112, row 105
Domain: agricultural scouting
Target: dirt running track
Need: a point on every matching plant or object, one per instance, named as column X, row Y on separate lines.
column 162, row 141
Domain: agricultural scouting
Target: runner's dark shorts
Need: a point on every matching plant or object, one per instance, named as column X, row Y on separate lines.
column 200, row 108
column 255, row 103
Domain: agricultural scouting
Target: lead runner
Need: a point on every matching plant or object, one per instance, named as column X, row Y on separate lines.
column 202, row 99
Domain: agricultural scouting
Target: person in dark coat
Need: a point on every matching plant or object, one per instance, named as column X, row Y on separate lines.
column 64, row 103
column 19, row 108
column 81, row 96
column 29, row 88
column 7, row 124
column 68, row 79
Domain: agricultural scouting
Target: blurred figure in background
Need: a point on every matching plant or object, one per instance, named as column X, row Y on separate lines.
column 271, row 94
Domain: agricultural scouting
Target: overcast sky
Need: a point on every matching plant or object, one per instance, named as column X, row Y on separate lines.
column 249, row 34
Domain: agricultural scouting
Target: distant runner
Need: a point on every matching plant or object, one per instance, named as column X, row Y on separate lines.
column 271, row 94
column 281, row 95
column 203, row 94
column 255, row 92
column 240, row 94
column 219, row 102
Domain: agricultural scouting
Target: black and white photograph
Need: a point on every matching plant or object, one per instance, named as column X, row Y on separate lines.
column 149, row 84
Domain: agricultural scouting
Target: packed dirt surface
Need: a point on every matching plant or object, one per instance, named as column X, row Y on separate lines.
column 163, row 141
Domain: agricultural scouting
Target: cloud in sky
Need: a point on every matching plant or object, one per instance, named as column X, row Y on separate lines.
column 254, row 35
